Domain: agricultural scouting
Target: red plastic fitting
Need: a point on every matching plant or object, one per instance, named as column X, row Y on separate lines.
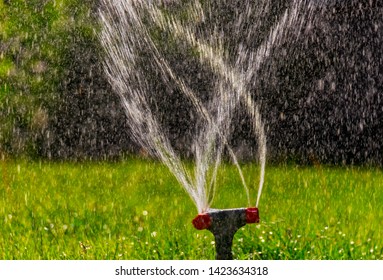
column 252, row 215
column 202, row 221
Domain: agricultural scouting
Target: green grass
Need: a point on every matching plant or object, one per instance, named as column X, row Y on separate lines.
column 136, row 210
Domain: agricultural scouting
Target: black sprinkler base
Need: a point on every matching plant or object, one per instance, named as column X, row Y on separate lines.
column 224, row 224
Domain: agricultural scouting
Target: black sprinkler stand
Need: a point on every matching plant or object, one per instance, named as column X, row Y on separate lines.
column 224, row 223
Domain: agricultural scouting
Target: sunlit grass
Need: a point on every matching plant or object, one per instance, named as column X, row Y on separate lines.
column 136, row 210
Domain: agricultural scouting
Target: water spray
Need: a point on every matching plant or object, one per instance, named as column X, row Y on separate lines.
column 224, row 223
column 127, row 27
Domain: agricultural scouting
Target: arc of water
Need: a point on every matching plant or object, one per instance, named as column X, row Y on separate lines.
column 236, row 76
column 163, row 65
column 166, row 69
column 202, row 110
column 121, row 51
column 119, row 69
column 237, row 79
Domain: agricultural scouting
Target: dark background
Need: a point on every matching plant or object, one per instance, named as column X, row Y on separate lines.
column 323, row 103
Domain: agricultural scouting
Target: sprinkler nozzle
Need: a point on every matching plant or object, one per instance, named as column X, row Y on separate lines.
column 202, row 221
column 224, row 224
column 252, row 215
column 241, row 215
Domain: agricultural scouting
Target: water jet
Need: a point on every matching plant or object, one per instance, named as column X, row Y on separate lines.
column 132, row 37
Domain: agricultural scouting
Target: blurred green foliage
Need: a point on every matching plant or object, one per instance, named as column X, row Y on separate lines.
column 36, row 37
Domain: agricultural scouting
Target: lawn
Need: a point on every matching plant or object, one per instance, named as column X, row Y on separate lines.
column 135, row 209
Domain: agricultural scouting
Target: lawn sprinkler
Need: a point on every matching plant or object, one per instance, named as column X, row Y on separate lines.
column 224, row 223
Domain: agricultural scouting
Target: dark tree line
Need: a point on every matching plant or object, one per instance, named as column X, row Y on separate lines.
column 332, row 106
column 322, row 101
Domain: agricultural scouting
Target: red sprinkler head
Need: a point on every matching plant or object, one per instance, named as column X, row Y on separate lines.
column 245, row 216
column 224, row 223
column 202, row 221
column 252, row 215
